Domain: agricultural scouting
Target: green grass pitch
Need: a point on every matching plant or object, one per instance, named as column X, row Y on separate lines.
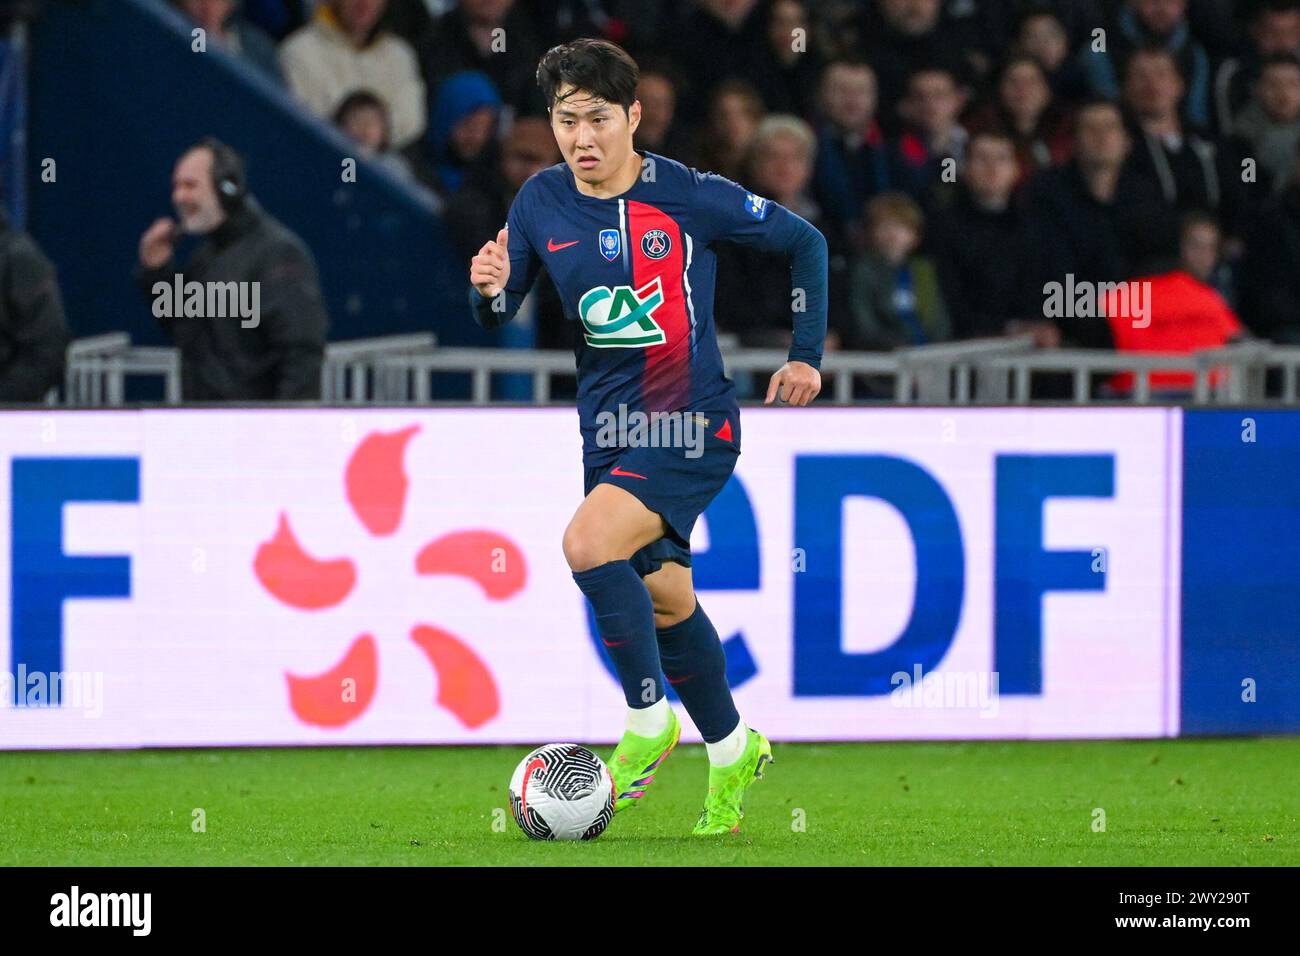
column 1166, row 802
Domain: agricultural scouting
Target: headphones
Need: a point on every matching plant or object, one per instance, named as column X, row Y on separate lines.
column 227, row 173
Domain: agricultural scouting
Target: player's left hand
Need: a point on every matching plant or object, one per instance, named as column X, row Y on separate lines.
column 795, row 383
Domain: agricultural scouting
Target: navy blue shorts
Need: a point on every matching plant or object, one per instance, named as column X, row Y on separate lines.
column 674, row 485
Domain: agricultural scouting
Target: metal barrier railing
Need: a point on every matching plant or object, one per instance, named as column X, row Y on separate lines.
column 1009, row 378
column 97, row 368
column 408, row 378
column 401, row 369
column 946, row 373
column 941, row 374
column 350, row 373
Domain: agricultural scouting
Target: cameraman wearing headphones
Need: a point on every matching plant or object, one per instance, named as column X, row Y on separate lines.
column 279, row 355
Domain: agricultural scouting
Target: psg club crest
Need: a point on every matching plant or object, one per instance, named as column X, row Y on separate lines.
column 655, row 244
column 609, row 244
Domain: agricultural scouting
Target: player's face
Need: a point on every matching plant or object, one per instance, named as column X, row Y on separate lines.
column 193, row 194
column 594, row 136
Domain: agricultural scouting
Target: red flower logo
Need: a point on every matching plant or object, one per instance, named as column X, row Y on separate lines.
column 376, row 486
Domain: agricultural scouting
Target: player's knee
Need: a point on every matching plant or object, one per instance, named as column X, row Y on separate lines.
column 583, row 549
column 674, row 610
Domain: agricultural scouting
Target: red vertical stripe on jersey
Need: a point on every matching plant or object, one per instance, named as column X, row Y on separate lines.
column 666, row 381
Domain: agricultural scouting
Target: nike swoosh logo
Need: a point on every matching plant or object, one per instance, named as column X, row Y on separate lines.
column 553, row 246
column 626, row 474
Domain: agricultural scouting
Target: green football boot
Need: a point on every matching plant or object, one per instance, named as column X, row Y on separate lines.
column 724, row 806
column 636, row 760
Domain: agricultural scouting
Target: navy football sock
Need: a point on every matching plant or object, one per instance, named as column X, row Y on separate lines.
column 694, row 663
column 626, row 622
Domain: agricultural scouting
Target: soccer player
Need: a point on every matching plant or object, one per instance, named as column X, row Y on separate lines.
column 626, row 236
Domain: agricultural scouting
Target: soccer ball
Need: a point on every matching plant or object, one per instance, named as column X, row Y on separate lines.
column 562, row 792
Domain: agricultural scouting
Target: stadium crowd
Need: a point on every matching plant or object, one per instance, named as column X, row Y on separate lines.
column 959, row 155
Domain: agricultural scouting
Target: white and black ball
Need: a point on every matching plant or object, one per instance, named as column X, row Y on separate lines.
column 562, row 792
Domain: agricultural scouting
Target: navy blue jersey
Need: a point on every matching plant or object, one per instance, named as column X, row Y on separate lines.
column 637, row 273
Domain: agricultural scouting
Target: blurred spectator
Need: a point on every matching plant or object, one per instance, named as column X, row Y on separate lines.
column 1200, row 255
column 412, row 20
column 983, row 243
column 1268, row 128
column 479, row 209
column 1272, row 280
column 363, row 117
column 495, row 37
column 1178, row 311
column 341, row 50
column 1043, row 36
column 754, row 297
column 276, row 18
column 223, row 26
column 1095, row 219
column 735, row 111
column 1143, row 24
column 1025, row 107
column 461, row 135
column 718, row 40
column 896, row 298
column 1185, row 165
column 1274, row 29
column 903, row 36
column 932, row 135
column 854, row 161
column 791, row 64
column 659, row 130
column 33, row 331
column 278, row 357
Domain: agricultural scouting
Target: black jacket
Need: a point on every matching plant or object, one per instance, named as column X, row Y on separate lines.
column 33, row 332
column 1272, row 279
column 986, row 265
column 278, row 358
column 1075, row 234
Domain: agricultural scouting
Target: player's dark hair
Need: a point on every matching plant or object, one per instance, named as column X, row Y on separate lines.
column 596, row 67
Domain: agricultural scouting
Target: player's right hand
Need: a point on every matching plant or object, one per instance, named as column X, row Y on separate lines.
column 489, row 271
column 157, row 243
